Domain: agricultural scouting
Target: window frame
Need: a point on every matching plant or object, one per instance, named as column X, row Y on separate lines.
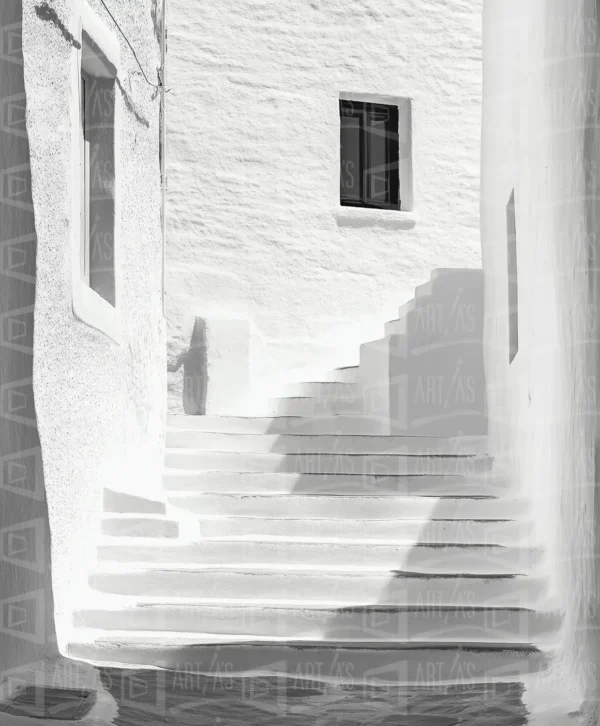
column 403, row 174
column 366, row 112
column 84, row 147
column 88, row 306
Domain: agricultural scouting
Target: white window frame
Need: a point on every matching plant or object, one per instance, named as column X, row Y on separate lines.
column 88, row 306
column 405, row 172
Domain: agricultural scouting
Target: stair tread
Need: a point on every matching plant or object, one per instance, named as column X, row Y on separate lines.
column 345, row 520
column 324, row 570
column 141, row 515
column 173, row 638
column 308, row 540
column 119, row 602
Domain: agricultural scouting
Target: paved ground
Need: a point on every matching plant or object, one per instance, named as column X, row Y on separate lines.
column 153, row 698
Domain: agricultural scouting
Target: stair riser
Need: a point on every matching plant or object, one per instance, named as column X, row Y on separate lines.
column 350, row 589
column 464, row 532
column 466, row 625
column 323, row 444
column 375, row 464
column 315, row 406
column 448, row 560
column 322, row 390
column 133, row 527
column 349, row 507
column 352, row 665
column 120, row 502
column 458, row 316
column 336, row 485
column 343, row 375
column 332, row 425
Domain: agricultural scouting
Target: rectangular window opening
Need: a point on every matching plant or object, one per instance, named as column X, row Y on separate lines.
column 375, row 155
column 513, row 281
column 98, row 183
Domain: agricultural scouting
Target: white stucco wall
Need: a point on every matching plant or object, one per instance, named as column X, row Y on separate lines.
column 541, row 137
column 100, row 404
column 255, row 229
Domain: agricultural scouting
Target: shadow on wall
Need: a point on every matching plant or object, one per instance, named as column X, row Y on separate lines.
column 27, row 633
column 195, row 371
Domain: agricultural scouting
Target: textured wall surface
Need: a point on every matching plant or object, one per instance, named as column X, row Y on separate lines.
column 541, row 137
column 255, row 228
column 100, row 404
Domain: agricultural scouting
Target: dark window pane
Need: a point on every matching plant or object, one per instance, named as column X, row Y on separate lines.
column 350, row 157
column 377, row 187
column 513, row 281
column 369, row 155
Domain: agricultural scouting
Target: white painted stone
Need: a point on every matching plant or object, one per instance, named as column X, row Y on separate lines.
column 332, row 623
column 541, row 139
column 100, row 404
column 369, row 506
column 325, row 424
column 343, row 463
column 344, row 663
column 350, row 587
column 347, row 553
column 325, row 444
column 412, row 531
column 335, row 484
column 255, row 228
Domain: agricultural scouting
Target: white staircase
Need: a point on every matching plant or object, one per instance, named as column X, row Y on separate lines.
column 309, row 537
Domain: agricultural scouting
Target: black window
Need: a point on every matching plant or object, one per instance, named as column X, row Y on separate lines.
column 369, row 155
column 513, row 279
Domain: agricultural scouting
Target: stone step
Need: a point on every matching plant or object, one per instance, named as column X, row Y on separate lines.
column 338, row 485
column 345, row 587
column 327, row 622
column 334, row 425
column 324, row 443
column 433, row 323
column 470, row 275
column 406, row 531
column 399, row 326
column 336, row 391
column 350, row 507
column 281, row 552
column 371, row 464
column 407, row 308
column 423, row 291
column 139, row 525
column 121, row 502
column 314, row 406
column 345, row 374
column 394, row 664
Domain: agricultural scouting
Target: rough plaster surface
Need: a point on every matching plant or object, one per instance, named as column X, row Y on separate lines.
column 541, row 137
column 255, row 229
column 99, row 404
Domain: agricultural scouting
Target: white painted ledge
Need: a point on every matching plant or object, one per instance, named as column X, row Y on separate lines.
column 93, row 310
column 363, row 217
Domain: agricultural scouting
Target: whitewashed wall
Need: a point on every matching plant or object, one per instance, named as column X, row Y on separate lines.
column 541, row 137
column 100, row 404
column 255, row 229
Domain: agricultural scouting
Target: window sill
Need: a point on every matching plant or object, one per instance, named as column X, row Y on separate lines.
column 367, row 217
column 93, row 310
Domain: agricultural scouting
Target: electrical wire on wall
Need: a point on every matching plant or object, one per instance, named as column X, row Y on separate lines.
column 154, row 85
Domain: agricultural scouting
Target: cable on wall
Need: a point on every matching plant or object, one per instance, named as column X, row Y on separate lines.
column 154, row 85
